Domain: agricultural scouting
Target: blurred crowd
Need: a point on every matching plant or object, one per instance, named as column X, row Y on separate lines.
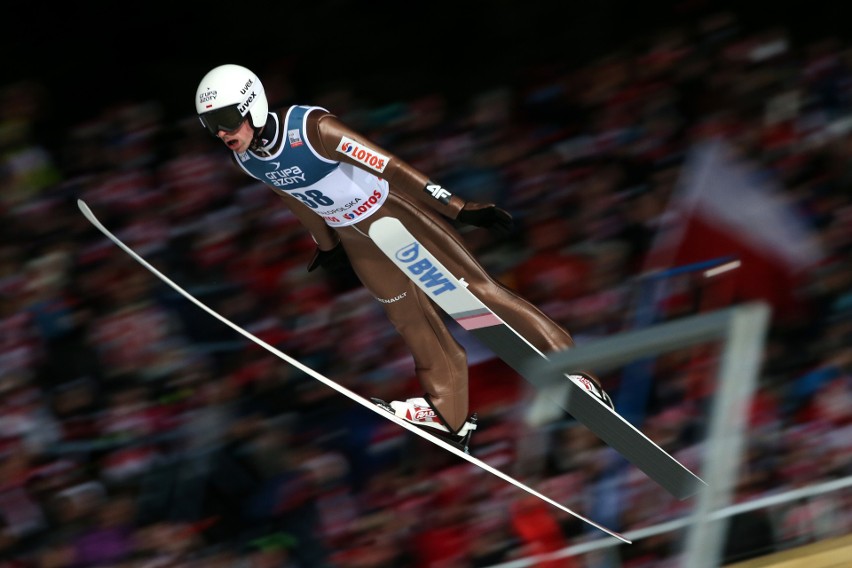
column 136, row 430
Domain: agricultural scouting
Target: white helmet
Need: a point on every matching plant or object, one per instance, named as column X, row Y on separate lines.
column 226, row 95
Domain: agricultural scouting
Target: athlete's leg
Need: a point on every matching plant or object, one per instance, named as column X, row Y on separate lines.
column 443, row 242
column 437, row 235
column 440, row 362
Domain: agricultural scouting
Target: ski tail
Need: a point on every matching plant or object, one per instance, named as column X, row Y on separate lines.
column 90, row 216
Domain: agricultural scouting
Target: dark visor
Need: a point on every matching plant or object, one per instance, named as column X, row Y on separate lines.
column 226, row 118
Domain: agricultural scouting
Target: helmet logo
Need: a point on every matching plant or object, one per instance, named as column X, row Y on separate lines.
column 243, row 108
column 207, row 96
column 236, row 92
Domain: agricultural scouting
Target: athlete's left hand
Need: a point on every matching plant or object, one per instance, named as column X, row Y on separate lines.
column 486, row 215
column 331, row 260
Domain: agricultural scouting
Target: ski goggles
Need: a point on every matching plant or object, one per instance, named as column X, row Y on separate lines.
column 226, row 118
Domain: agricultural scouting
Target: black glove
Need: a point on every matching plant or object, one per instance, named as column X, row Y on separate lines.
column 486, row 215
column 330, row 260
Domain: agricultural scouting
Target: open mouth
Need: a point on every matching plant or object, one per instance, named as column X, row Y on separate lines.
column 232, row 143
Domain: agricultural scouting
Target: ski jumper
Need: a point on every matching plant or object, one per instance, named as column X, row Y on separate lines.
column 337, row 183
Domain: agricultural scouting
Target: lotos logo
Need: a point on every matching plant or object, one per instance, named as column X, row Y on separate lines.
column 364, row 207
column 359, row 153
column 430, row 276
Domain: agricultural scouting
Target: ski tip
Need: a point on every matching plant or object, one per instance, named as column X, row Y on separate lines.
column 90, row 217
column 85, row 209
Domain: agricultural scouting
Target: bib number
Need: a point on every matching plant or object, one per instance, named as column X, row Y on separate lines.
column 313, row 198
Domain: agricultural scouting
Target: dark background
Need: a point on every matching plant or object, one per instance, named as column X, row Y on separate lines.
column 88, row 57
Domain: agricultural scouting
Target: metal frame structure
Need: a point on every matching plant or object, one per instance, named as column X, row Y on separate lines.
column 741, row 331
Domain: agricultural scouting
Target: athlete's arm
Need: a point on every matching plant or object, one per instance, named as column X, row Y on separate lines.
column 336, row 141
column 324, row 236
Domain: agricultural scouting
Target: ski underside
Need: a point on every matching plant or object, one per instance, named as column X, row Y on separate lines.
column 438, row 441
column 451, row 294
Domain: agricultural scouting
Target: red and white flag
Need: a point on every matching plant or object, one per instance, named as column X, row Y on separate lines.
column 726, row 206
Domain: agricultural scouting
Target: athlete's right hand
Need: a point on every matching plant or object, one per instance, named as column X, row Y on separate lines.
column 486, row 215
column 330, row 260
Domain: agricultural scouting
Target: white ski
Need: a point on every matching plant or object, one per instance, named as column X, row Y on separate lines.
column 450, row 293
column 87, row 212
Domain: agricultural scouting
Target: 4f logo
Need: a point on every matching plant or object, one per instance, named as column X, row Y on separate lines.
column 430, row 276
column 438, row 192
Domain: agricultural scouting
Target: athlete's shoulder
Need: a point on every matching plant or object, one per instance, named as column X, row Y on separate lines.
column 299, row 116
column 305, row 110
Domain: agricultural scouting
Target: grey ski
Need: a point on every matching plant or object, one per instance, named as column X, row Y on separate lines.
column 450, row 292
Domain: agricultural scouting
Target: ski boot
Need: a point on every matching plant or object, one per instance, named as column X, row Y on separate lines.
column 592, row 385
column 419, row 412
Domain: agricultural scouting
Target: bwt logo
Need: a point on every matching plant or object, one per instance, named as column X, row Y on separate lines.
column 431, row 277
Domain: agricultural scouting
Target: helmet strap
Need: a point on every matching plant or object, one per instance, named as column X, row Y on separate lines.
column 263, row 135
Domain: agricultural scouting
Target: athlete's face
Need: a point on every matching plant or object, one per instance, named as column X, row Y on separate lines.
column 238, row 139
